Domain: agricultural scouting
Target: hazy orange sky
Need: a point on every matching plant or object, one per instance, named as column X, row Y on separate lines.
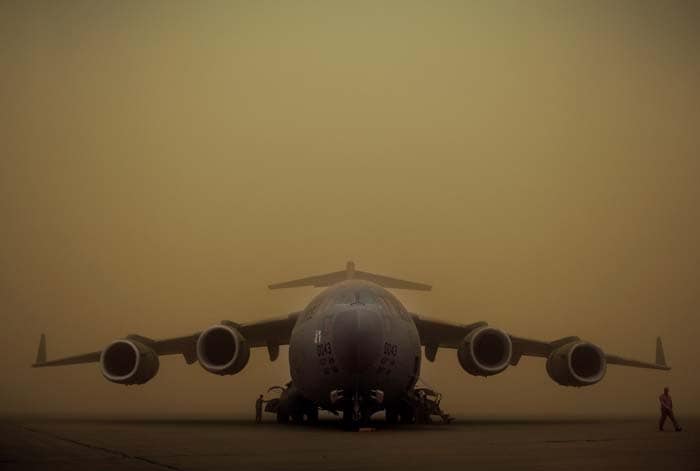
column 162, row 162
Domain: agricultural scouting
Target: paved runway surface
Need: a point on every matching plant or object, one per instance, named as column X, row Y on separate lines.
column 241, row 445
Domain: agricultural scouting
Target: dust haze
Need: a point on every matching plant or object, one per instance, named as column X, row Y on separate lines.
column 162, row 162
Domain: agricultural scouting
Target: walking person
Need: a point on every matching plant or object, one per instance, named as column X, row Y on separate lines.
column 667, row 411
column 258, row 409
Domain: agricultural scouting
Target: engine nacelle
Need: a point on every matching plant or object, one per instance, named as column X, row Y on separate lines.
column 127, row 361
column 485, row 351
column 577, row 364
column 221, row 349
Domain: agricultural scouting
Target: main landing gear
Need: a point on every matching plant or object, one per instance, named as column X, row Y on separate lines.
column 291, row 405
column 417, row 406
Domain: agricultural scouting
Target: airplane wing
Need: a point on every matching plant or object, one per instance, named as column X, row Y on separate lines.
column 436, row 333
column 442, row 333
column 271, row 333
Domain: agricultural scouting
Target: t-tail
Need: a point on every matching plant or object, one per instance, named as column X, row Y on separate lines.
column 350, row 273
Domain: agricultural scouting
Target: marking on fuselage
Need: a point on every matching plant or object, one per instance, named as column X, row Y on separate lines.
column 323, row 350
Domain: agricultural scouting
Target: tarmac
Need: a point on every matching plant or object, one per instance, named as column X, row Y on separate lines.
column 240, row 444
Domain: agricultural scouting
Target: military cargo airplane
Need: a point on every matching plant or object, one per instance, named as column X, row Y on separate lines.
column 354, row 350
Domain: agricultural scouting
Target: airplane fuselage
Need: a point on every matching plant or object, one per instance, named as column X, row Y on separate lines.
column 357, row 337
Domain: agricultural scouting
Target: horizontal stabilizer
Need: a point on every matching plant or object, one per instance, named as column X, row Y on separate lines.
column 327, row 279
column 350, row 273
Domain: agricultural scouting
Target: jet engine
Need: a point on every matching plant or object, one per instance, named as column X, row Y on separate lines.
column 485, row 351
column 127, row 361
column 577, row 364
column 221, row 349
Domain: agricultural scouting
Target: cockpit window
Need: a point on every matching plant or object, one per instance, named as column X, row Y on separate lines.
column 367, row 297
column 346, row 297
column 396, row 306
column 312, row 308
column 360, row 296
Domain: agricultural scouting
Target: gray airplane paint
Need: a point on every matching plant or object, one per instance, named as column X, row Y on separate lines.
column 355, row 336
column 354, row 349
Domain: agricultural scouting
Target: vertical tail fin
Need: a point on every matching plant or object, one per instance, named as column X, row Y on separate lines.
column 41, row 353
column 660, row 357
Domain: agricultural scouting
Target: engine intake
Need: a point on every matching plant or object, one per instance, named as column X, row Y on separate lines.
column 126, row 361
column 221, row 349
column 577, row 364
column 485, row 351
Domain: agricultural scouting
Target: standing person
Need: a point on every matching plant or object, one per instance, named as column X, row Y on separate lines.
column 258, row 409
column 667, row 411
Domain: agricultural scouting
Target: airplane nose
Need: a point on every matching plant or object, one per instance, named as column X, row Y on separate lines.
column 357, row 339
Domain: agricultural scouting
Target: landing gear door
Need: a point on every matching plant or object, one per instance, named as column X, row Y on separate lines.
column 272, row 405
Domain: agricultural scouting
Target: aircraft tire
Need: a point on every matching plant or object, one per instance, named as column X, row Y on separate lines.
column 392, row 416
column 312, row 414
column 282, row 417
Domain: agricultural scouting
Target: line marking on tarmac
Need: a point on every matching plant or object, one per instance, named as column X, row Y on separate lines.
column 106, row 450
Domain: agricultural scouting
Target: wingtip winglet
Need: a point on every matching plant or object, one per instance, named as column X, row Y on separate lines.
column 660, row 356
column 41, row 352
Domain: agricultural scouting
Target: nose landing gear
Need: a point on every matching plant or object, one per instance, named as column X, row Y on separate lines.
column 357, row 411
